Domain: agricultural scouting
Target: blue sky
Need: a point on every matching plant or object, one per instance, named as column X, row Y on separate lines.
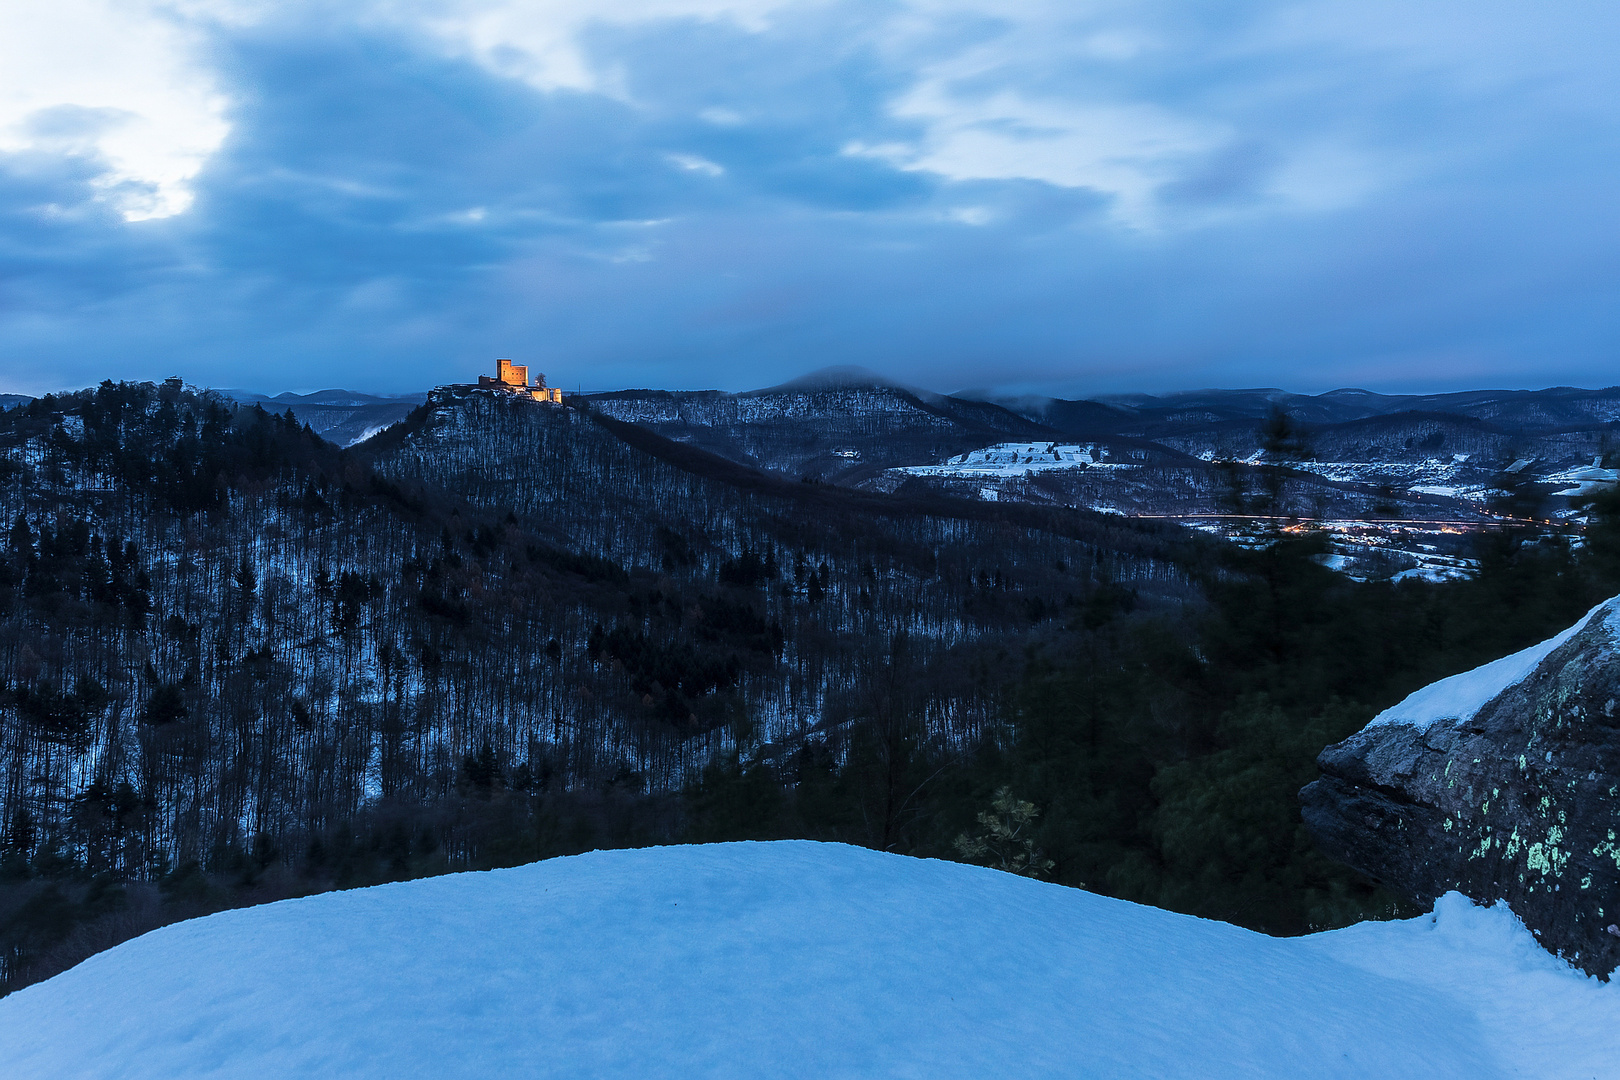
column 1068, row 198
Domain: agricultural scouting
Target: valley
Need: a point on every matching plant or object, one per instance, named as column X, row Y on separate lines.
column 1398, row 483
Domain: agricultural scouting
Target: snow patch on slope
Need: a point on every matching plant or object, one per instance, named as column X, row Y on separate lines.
column 1020, row 459
column 1459, row 698
column 800, row 959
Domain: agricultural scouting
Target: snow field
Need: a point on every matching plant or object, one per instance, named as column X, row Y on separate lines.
column 1019, row 459
column 797, row 959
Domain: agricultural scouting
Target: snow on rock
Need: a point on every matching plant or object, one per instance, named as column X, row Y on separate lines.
column 797, row 959
column 1498, row 784
column 1457, row 699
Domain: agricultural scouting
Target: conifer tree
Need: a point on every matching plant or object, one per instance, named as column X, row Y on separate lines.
column 1004, row 841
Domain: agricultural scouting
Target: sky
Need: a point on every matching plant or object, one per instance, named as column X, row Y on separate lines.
column 1070, row 198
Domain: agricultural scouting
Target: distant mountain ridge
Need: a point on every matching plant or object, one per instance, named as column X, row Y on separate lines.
column 344, row 417
column 1547, row 408
column 852, row 426
column 1359, row 453
column 832, row 428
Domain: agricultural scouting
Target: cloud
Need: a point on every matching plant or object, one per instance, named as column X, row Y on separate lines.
column 1077, row 197
column 694, row 163
column 118, row 84
column 540, row 41
column 1127, row 152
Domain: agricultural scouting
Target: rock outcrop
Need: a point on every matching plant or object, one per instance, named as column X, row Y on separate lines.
column 1502, row 783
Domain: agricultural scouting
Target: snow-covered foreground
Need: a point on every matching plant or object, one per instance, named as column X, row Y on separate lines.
column 805, row 960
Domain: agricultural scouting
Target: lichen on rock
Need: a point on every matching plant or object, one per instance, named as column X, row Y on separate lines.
column 1499, row 783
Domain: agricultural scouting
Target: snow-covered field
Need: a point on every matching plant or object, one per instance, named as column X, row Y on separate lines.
column 1021, row 459
column 1434, row 476
column 796, row 959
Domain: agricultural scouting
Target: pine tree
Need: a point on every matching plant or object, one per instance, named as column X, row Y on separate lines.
column 1004, row 843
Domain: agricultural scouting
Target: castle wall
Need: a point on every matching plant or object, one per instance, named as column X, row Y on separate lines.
column 512, row 374
column 515, row 377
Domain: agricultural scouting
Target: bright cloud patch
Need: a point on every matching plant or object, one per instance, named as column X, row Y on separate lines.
column 694, row 163
column 112, row 84
column 538, row 41
column 1124, row 151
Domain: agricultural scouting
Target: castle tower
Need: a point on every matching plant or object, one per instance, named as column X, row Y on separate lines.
column 511, row 374
column 515, row 379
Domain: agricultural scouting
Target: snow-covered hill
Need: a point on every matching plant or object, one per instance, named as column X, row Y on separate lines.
column 1022, row 459
column 826, row 429
column 803, row 960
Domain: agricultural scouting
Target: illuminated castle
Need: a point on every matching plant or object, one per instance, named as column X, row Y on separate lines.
column 514, row 379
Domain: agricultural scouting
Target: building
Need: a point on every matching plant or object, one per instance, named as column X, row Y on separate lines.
column 514, row 379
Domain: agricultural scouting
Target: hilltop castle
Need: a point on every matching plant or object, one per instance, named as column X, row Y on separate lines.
column 514, row 379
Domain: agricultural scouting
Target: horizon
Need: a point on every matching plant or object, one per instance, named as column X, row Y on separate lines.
column 879, row 379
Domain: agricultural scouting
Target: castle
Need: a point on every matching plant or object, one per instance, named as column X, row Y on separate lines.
column 514, row 379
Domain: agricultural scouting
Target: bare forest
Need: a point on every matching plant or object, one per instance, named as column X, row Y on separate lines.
column 242, row 664
column 233, row 648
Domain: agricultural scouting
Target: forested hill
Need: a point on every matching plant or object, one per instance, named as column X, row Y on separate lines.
column 843, row 431
column 241, row 663
column 232, row 648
